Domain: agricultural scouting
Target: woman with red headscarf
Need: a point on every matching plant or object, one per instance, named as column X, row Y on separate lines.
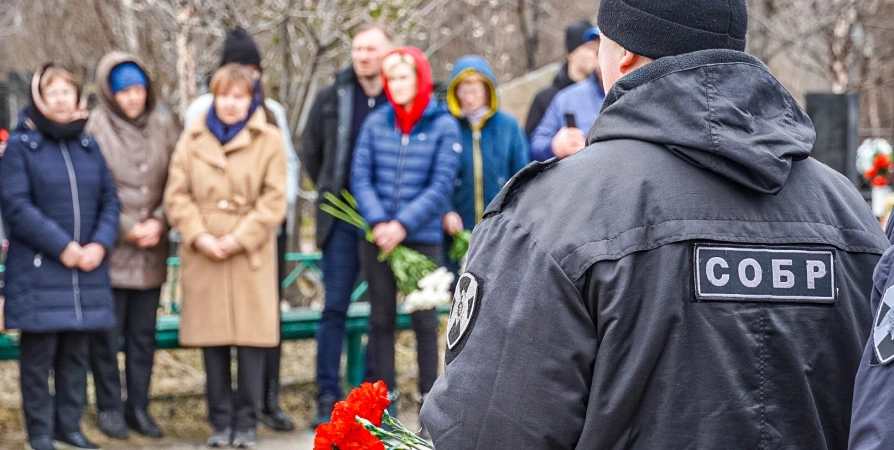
column 402, row 174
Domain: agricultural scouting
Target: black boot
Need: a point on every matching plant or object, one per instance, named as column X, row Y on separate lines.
column 112, row 424
column 325, row 405
column 40, row 443
column 271, row 414
column 74, row 440
column 140, row 421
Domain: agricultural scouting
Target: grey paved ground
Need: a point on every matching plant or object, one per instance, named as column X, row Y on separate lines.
column 296, row 441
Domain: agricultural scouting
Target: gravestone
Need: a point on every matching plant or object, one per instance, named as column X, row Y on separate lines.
column 836, row 119
column 5, row 119
column 19, row 94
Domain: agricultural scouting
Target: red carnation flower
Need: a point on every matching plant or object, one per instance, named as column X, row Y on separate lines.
column 879, row 181
column 369, row 401
column 871, row 173
column 4, row 135
column 881, row 160
column 324, row 438
column 343, row 432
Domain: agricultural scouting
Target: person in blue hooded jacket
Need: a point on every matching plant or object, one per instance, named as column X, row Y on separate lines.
column 554, row 135
column 402, row 174
column 494, row 145
column 58, row 198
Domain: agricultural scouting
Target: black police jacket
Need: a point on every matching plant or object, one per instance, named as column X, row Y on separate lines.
column 691, row 280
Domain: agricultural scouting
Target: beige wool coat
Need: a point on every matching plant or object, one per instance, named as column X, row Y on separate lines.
column 138, row 153
column 239, row 189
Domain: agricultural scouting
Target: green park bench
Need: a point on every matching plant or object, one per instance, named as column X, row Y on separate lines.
column 297, row 324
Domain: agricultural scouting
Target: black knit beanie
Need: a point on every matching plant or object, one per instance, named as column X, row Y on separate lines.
column 673, row 27
column 574, row 34
column 240, row 48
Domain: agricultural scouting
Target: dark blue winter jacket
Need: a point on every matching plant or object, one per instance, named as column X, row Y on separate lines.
column 582, row 99
column 408, row 178
column 492, row 152
column 52, row 193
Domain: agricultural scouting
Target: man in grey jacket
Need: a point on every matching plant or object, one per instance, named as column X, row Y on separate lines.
column 692, row 279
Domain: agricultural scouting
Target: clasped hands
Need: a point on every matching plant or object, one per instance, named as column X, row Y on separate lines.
column 220, row 248
column 146, row 234
column 86, row 258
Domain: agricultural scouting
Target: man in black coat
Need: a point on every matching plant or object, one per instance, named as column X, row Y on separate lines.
column 581, row 62
column 327, row 151
column 692, row 279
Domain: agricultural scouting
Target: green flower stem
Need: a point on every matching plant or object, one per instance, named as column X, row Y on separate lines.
column 346, row 214
column 340, row 204
column 380, row 433
column 397, row 425
column 350, row 199
column 342, row 216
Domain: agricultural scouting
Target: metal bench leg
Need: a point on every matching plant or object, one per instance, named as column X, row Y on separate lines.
column 356, row 365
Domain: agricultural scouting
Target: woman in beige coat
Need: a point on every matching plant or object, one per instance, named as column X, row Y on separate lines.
column 226, row 196
column 137, row 142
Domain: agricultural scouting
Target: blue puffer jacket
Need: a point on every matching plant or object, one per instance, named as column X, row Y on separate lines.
column 44, row 213
column 407, row 178
column 492, row 152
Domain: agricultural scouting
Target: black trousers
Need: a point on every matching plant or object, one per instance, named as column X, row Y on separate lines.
column 273, row 356
column 65, row 355
column 135, row 325
column 228, row 408
column 383, row 321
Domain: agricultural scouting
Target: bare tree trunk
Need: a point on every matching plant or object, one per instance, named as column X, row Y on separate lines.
column 530, row 31
column 104, row 24
column 186, row 63
column 841, row 47
column 130, row 26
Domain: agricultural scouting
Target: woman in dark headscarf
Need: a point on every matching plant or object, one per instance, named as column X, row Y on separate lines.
column 59, row 201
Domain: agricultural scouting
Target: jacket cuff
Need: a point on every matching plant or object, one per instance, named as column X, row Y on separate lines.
column 57, row 245
column 190, row 232
column 125, row 224
column 408, row 223
column 159, row 214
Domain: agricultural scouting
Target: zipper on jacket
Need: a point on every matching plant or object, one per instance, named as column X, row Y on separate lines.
column 478, row 168
column 404, row 143
column 76, row 204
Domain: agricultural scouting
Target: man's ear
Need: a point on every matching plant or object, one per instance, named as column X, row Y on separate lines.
column 629, row 62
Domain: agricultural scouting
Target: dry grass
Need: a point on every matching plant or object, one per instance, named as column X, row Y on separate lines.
column 178, row 395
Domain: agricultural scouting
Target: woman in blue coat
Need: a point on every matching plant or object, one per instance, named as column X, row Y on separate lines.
column 494, row 145
column 58, row 199
column 402, row 175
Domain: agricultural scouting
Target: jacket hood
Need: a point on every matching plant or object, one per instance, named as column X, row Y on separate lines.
column 464, row 67
column 407, row 118
column 720, row 110
column 562, row 80
column 104, row 89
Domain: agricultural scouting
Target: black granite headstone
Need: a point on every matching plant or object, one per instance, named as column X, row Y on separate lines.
column 836, row 119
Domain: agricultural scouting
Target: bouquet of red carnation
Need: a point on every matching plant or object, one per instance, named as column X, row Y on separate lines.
column 356, row 424
column 874, row 160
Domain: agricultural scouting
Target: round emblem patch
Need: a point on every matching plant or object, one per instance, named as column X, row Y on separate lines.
column 883, row 329
column 465, row 307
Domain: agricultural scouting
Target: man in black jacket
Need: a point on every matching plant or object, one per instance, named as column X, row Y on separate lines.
column 581, row 62
column 692, row 279
column 327, row 149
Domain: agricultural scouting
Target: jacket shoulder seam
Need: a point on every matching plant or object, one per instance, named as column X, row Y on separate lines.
column 684, row 236
column 536, row 242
